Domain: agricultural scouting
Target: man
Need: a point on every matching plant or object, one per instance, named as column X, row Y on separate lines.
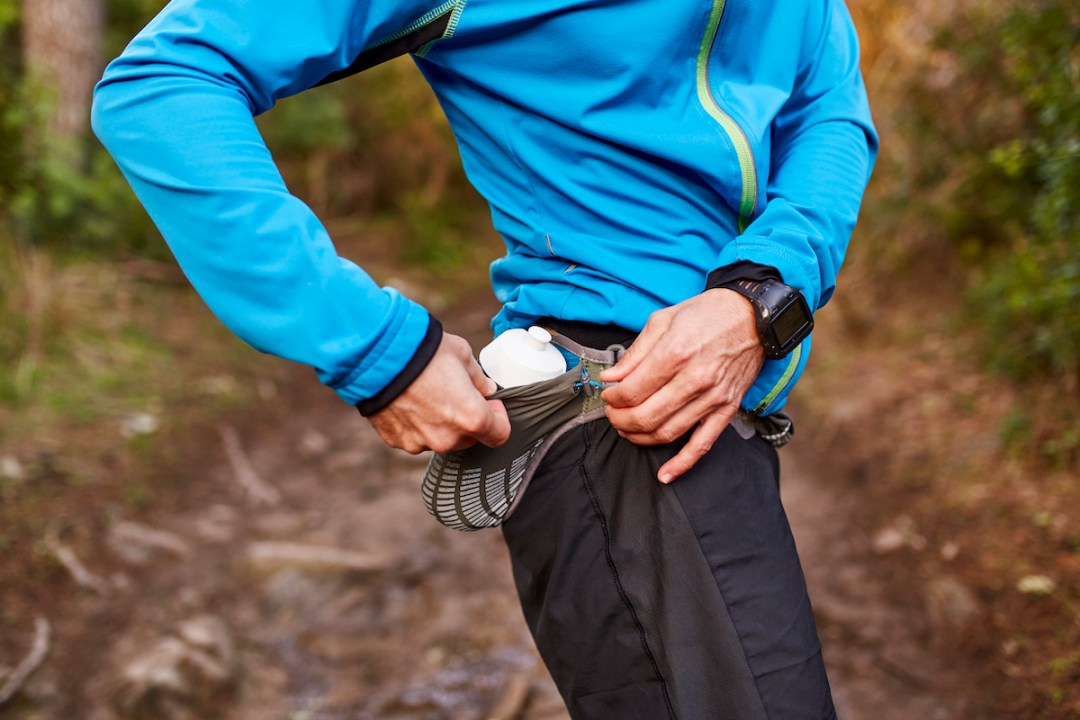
column 687, row 169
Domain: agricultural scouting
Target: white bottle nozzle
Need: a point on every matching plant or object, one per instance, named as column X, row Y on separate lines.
column 539, row 338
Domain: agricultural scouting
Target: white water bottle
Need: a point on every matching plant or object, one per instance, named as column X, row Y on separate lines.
column 519, row 356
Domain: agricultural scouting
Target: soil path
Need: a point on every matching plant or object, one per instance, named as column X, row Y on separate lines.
column 312, row 585
column 881, row 664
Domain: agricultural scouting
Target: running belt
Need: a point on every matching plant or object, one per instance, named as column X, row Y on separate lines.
column 480, row 487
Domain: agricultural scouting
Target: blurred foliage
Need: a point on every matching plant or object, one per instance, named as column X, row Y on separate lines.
column 997, row 109
column 63, row 201
column 11, row 120
column 64, row 194
column 1037, row 326
column 341, row 152
column 9, row 14
column 125, row 18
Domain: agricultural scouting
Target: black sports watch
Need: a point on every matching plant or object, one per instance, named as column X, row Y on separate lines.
column 783, row 317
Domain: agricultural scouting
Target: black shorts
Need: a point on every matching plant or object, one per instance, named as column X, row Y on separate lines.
column 682, row 601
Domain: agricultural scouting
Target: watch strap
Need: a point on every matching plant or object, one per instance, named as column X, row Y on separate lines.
column 742, row 270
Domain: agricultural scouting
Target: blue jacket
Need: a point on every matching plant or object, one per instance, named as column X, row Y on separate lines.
column 626, row 148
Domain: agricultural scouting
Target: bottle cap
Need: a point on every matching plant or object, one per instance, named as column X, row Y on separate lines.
column 519, row 357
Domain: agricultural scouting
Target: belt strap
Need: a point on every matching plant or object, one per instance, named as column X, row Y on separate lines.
column 609, row 357
column 776, row 429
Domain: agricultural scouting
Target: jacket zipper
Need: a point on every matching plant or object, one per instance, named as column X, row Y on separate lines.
column 748, row 200
column 785, row 379
column 747, row 167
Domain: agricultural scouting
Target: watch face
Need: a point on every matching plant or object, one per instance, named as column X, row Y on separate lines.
column 789, row 322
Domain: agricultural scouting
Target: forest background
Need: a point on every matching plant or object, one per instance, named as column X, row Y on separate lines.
column 946, row 382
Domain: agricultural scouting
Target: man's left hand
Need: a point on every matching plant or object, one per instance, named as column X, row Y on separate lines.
column 690, row 366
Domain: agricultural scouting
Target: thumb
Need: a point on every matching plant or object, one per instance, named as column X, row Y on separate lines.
column 499, row 428
column 485, row 385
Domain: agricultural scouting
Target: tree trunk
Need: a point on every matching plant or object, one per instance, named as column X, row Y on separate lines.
column 62, row 49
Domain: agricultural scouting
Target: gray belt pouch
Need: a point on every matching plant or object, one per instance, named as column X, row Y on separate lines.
column 479, row 487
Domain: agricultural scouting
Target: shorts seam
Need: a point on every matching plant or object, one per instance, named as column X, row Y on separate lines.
column 719, row 590
column 595, row 502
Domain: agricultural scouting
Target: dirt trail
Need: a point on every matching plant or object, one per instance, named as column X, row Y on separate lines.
column 306, row 582
column 880, row 664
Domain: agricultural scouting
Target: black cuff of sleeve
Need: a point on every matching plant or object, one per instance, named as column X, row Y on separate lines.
column 742, row 270
column 412, row 370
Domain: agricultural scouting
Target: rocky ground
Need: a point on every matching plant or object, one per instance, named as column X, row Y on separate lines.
column 302, row 579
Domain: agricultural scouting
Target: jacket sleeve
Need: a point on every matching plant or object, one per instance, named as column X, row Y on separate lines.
column 176, row 110
column 823, row 148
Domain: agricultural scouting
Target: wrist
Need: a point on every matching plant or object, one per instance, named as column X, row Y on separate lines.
column 735, row 304
column 782, row 316
column 737, row 313
column 429, row 344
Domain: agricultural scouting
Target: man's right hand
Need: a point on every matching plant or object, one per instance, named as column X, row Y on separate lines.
column 445, row 408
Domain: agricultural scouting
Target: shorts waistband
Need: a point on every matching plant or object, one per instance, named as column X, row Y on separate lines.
column 594, row 335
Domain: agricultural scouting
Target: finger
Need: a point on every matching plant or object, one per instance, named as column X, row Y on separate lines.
column 480, row 421
column 648, row 338
column 492, row 435
column 499, row 430
column 652, row 373
column 678, row 398
column 700, row 442
column 463, row 444
column 461, row 349
column 674, row 410
column 408, row 440
column 626, row 364
column 684, row 420
column 485, row 385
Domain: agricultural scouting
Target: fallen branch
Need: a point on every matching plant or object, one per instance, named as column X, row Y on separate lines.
column 79, row 573
column 30, row 664
column 902, row 674
column 152, row 271
column 132, row 533
column 512, row 703
column 283, row 553
column 244, row 472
